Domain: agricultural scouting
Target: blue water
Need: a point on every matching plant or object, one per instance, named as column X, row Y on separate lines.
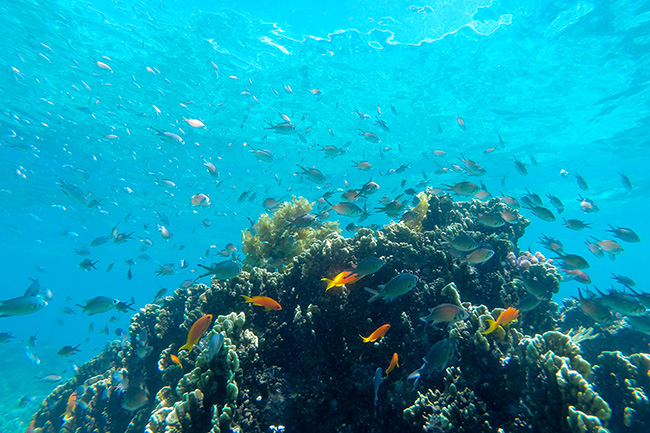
column 564, row 82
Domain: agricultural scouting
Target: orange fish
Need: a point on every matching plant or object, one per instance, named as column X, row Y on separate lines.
column 196, row 332
column 263, row 301
column 176, row 360
column 379, row 333
column 72, row 404
column 393, row 364
column 341, row 279
column 507, row 316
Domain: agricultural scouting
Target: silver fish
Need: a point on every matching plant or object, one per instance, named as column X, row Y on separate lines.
column 99, row 304
column 22, row 306
column 399, row 285
column 445, row 313
column 214, row 346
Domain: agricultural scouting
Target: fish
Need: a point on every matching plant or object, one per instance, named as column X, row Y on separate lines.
column 135, row 397
column 343, row 278
column 397, row 286
column 312, row 174
column 176, row 360
column 215, row 344
column 507, row 316
column 347, row 209
column 263, row 301
column 368, row 266
column 577, row 225
column 71, row 406
column 520, row 167
column 436, row 358
column 622, row 279
column 5, row 337
column 639, row 323
column 22, row 306
column 445, row 313
column 377, row 380
column 479, row 256
column 582, row 183
column 68, row 350
column 461, row 242
column 200, row 326
column 88, row 265
column 461, row 123
column 626, row 182
column 34, row 288
column 542, row 213
column 393, row 363
column 376, row 334
column 223, row 270
column 552, row 244
column 528, row 303
column 572, row 261
column 624, row 234
column 593, row 308
column 623, row 303
column 371, row 137
column 556, row 203
column 98, row 305
column 463, row 188
column 576, row 275
column 100, row 240
column 51, row 378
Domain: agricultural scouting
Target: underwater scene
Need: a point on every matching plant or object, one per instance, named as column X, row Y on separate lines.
column 368, row 216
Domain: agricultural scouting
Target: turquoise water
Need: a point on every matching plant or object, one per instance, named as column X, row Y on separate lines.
column 565, row 83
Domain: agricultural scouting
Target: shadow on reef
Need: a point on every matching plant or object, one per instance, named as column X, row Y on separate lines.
column 306, row 368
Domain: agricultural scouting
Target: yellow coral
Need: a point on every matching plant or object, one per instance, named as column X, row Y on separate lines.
column 276, row 240
column 421, row 208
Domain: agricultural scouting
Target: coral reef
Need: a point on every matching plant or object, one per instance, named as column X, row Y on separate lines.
column 300, row 367
column 275, row 240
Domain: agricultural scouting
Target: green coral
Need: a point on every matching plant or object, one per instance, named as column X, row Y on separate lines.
column 277, row 239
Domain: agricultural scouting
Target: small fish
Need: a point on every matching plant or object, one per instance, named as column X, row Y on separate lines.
column 520, row 167
column 463, row 188
column 370, row 136
column 312, row 174
column 542, row 213
column 376, row 335
column 263, row 301
column 572, row 261
column 5, row 337
column 576, row 275
column 639, row 323
column 88, row 265
column 556, row 202
column 626, row 281
column 223, row 270
column 593, row 308
column 623, row 303
column 393, row 363
column 98, row 305
column 196, row 332
column 22, row 306
column 461, row 242
column 343, row 278
column 624, row 234
column 445, row 313
column 397, row 286
column 367, row 266
column 176, row 360
column 214, row 346
column 71, row 406
column 626, row 182
column 461, row 123
column 100, row 241
column 507, row 316
column 479, row 256
column 68, row 350
column 528, row 303
column 577, row 225
column 135, row 397
column 347, row 209
column 436, row 358
column 582, row 183
column 377, row 380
